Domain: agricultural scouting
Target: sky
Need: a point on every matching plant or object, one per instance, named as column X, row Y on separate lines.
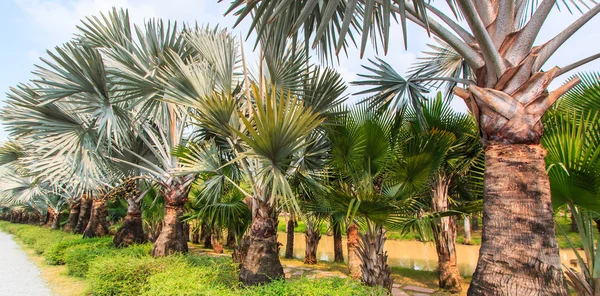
column 30, row 27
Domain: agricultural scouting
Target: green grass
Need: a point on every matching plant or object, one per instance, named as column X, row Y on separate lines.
column 132, row 271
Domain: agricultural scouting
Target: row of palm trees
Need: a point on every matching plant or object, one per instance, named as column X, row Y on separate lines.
column 173, row 106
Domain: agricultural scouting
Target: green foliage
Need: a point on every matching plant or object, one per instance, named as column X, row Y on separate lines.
column 55, row 254
column 122, row 275
column 132, row 271
column 305, row 286
column 81, row 256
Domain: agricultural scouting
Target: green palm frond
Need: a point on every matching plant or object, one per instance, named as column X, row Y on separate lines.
column 278, row 130
column 438, row 64
column 584, row 97
column 78, row 75
column 573, row 158
column 388, row 89
column 324, row 91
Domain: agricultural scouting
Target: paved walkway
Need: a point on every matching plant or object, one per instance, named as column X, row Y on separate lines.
column 18, row 275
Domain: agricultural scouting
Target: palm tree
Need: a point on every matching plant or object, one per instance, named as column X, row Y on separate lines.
column 450, row 138
column 573, row 145
column 507, row 95
column 367, row 190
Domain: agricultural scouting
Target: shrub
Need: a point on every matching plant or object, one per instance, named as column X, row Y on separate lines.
column 178, row 280
column 55, row 255
column 310, row 287
column 79, row 256
column 123, row 275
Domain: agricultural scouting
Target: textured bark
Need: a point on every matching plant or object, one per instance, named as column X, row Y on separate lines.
column 132, row 230
column 261, row 264
column 240, row 250
column 445, row 237
column 154, row 232
column 338, row 250
column 289, row 246
column 353, row 258
column 186, row 231
column 73, row 216
column 84, row 214
column 56, row 222
column 97, row 226
column 312, row 238
column 205, row 236
column 374, row 267
column 467, row 226
column 215, row 240
column 519, row 253
column 171, row 239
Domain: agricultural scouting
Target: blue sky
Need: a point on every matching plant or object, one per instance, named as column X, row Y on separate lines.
column 29, row 27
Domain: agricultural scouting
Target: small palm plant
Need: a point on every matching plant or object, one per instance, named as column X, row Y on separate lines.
column 573, row 164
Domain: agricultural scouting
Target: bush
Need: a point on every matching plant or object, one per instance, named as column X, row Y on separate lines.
column 132, row 271
column 122, row 275
column 56, row 254
column 78, row 257
column 200, row 275
column 309, row 287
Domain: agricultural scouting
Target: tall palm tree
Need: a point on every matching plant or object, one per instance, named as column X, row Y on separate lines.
column 507, row 95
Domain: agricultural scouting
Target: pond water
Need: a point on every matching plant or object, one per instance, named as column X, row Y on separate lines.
column 408, row 254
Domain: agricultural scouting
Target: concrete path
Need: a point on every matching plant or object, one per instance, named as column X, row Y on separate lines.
column 18, row 275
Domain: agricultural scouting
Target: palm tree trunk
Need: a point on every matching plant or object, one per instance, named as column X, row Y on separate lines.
column 216, row 240
column 205, row 236
column 467, row 226
column 289, row 246
column 132, row 230
column 186, row 231
column 261, row 264
column 84, row 214
column 445, row 237
column 97, row 226
column 313, row 236
column 374, row 267
column 353, row 258
column 73, row 216
column 338, row 251
column 171, row 239
column 55, row 219
column 519, row 253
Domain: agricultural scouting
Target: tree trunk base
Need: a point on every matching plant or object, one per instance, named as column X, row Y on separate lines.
column 97, row 226
column 84, row 215
column 353, row 257
column 312, row 242
column 519, row 253
column 171, row 239
column 261, row 264
column 73, row 217
column 131, row 232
